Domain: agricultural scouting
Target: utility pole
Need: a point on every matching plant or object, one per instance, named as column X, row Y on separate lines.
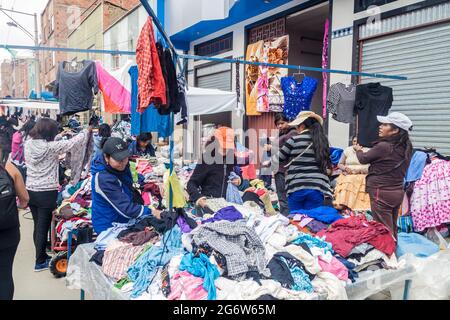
column 36, row 61
column 16, row 24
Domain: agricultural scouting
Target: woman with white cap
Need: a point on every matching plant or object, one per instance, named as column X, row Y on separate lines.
column 389, row 160
column 308, row 153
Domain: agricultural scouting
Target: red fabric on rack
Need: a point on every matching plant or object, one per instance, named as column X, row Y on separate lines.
column 345, row 234
column 151, row 85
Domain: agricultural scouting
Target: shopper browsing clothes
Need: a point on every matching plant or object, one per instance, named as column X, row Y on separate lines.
column 309, row 164
column 42, row 158
column 114, row 199
column 350, row 191
column 389, row 160
column 142, row 146
column 104, row 132
column 12, row 186
column 210, row 176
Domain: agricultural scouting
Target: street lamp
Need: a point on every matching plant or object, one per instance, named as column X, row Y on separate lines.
column 14, row 23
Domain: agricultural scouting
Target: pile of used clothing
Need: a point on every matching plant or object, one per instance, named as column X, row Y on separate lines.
column 74, row 210
column 240, row 252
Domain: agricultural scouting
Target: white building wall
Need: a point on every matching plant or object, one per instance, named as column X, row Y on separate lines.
column 124, row 34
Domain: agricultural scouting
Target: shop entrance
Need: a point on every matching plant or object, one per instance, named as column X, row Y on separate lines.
column 306, row 32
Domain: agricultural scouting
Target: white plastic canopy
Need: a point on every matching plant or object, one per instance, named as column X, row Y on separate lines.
column 202, row 101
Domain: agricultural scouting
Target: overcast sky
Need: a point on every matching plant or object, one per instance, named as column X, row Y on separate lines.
column 13, row 35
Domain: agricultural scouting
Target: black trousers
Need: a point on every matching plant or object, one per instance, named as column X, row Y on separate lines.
column 280, row 184
column 42, row 205
column 6, row 272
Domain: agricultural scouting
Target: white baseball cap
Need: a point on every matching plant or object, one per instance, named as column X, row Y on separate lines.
column 398, row 119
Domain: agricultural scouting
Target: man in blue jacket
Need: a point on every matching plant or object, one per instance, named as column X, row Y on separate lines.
column 114, row 198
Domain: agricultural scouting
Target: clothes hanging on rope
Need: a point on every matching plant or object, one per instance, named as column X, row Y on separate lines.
column 324, row 66
column 152, row 88
column 371, row 100
column 150, row 120
column 115, row 87
column 341, row 102
column 75, row 91
column 297, row 96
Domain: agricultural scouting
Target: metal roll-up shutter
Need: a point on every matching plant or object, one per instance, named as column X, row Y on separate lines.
column 214, row 76
column 220, row 81
column 423, row 55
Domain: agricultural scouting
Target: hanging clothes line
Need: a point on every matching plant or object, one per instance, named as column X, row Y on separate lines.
column 223, row 60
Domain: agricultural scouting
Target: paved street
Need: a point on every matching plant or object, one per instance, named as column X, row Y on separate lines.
column 30, row 285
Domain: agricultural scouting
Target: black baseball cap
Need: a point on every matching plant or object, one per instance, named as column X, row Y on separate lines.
column 116, row 148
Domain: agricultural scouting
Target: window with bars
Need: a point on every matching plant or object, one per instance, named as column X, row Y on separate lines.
column 361, row 5
column 274, row 29
column 215, row 46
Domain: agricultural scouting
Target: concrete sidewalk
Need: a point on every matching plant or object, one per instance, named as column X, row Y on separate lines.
column 30, row 285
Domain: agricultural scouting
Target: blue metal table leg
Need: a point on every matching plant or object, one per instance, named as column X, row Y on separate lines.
column 406, row 289
column 82, row 297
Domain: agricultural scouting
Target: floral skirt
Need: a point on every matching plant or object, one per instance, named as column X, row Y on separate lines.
column 430, row 201
column 350, row 191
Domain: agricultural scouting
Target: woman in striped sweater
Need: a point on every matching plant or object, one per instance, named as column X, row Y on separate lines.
column 309, row 166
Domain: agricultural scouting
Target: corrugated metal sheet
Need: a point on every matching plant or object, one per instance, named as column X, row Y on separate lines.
column 263, row 125
column 423, row 55
column 407, row 20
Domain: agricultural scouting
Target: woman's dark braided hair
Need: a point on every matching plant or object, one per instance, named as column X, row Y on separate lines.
column 402, row 140
column 321, row 145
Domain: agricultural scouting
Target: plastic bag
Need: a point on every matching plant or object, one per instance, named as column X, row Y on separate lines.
column 432, row 278
column 435, row 236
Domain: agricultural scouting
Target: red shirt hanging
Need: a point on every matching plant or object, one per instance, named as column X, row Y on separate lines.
column 151, row 85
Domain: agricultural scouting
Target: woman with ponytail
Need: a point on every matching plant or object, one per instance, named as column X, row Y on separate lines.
column 309, row 165
column 389, row 160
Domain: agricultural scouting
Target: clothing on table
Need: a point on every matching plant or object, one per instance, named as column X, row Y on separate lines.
column 335, row 267
column 42, row 205
column 115, row 87
column 233, row 194
column 144, row 269
column 430, row 201
column 97, row 257
column 118, row 257
column 416, row 166
column 113, row 196
column 371, row 100
column 112, row 233
column 265, row 227
column 325, row 61
column 79, row 157
column 350, row 191
column 185, row 286
column 388, row 165
column 313, row 242
column 297, row 96
column 201, row 267
column 322, row 213
column 149, row 120
column 75, row 90
column 304, row 172
column 141, row 237
column 315, row 226
column 345, row 234
column 239, row 244
column 352, row 274
column 341, row 102
column 151, row 85
column 416, row 244
column 229, row 214
column 385, row 205
column 42, row 158
column 305, row 200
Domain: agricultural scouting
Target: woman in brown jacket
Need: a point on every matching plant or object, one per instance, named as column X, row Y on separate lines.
column 389, row 160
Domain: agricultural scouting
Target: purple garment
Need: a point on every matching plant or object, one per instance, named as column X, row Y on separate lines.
column 315, row 226
column 183, row 225
column 228, row 213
